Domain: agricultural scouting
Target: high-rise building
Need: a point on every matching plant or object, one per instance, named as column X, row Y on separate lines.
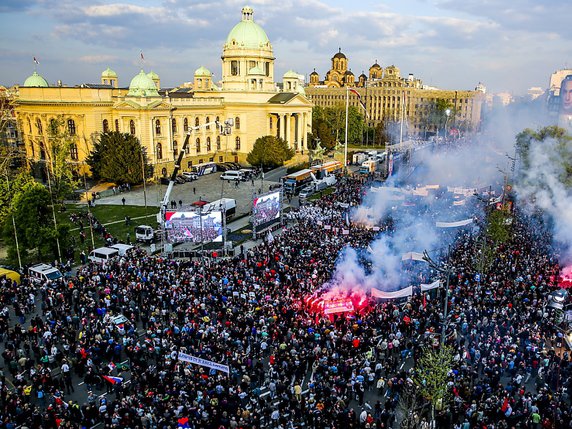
column 388, row 97
column 161, row 117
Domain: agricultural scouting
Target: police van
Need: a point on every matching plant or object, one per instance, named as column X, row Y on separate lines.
column 43, row 272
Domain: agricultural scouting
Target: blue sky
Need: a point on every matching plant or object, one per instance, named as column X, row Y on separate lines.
column 454, row 44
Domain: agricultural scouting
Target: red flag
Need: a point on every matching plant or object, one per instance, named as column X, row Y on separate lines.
column 424, row 300
column 504, row 405
column 361, row 103
column 36, row 61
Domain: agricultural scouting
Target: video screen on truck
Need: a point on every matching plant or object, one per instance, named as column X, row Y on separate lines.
column 266, row 208
column 191, row 227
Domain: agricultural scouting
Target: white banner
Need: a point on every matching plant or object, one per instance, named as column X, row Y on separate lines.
column 415, row 256
column 453, row 224
column 203, row 362
column 401, row 293
column 434, row 285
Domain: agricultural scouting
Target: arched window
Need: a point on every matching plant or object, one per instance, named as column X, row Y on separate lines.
column 158, row 127
column 117, row 125
column 132, row 127
column 217, row 120
column 270, row 122
column 208, row 144
column 217, row 142
column 164, row 172
column 71, row 127
column 175, row 149
column 185, row 124
column 73, row 152
column 105, row 126
column 237, row 123
column 198, row 145
column 197, row 121
column 174, row 125
column 29, row 126
column 39, row 126
column 159, row 151
column 237, row 143
column 207, row 120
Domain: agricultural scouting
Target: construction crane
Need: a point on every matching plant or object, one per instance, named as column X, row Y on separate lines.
column 224, row 129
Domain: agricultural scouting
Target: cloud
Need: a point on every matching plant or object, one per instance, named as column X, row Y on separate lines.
column 98, row 59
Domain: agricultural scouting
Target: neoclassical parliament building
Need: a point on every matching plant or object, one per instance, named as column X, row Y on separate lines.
column 388, row 96
column 161, row 117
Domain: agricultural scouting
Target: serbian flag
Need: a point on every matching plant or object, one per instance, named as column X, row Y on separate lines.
column 183, row 422
column 361, row 103
column 112, row 379
column 36, row 61
column 111, row 366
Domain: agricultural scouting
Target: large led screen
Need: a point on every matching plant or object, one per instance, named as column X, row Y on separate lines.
column 192, row 227
column 266, row 208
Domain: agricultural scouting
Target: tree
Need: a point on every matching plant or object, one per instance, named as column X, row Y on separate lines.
column 431, row 377
column 9, row 187
column 32, row 212
column 59, row 163
column 269, row 152
column 329, row 125
column 116, row 157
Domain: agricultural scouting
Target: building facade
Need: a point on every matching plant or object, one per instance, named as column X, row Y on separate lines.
column 162, row 117
column 388, row 97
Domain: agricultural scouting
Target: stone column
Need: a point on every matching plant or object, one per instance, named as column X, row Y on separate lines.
column 287, row 129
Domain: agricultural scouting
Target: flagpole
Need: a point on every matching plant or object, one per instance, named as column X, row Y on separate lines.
column 346, row 133
column 401, row 122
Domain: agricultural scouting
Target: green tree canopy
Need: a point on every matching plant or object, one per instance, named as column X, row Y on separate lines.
column 10, row 187
column 116, row 157
column 58, row 158
column 269, row 152
column 329, row 125
column 32, row 211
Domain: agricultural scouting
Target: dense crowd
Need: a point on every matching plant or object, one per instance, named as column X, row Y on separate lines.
column 288, row 367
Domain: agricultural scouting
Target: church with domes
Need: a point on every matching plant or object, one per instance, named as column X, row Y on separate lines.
column 162, row 117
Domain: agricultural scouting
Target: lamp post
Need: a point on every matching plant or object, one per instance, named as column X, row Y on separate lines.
column 447, row 113
column 143, row 153
column 444, row 269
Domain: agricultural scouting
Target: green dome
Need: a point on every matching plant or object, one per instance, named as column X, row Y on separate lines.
column 36, row 80
column 291, row 74
column 142, row 86
column 247, row 34
column 153, row 75
column 203, row 72
column 108, row 73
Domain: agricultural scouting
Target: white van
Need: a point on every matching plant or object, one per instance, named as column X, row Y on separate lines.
column 44, row 272
column 123, row 249
column 103, row 254
column 232, row 175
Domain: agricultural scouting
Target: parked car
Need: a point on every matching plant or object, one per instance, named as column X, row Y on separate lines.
column 222, row 167
column 180, row 179
column 165, row 181
column 232, row 175
column 189, row 177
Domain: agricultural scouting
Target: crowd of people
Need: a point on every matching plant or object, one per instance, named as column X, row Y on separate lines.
column 288, row 367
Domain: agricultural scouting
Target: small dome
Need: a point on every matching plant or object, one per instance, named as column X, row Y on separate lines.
column 340, row 54
column 142, row 86
column 314, row 73
column 375, row 65
column 108, row 73
column 153, row 75
column 348, row 73
column 247, row 34
column 203, row 72
column 256, row 70
column 291, row 74
column 36, row 81
column 363, row 76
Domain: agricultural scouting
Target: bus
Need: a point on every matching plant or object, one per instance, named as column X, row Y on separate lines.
column 293, row 183
column 204, row 168
column 326, row 169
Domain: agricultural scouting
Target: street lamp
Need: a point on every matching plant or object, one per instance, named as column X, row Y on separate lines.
column 447, row 113
column 444, row 269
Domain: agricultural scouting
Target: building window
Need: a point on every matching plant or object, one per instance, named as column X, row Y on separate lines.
column 185, row 124
column 42, row 150
column 174, row 125
column 208, row 144
column 220, row 159
column 237, row 143
column 237, row 123
column 207, row 120
column 159, row 151
column 198, row 145
column 217, row 120
column 211, row 159
column 234, row 68
column 189, row 164
column 73, row 152
column 39, row 126
column 164, row 172
column 53, row 128
column 117, row 125
column 29, row 126
column 187, row 149
column 271, row 122
column 197, row 121
column 105, row 126
column 267, row 69
column 71, row 127
column 132, row 127
column 158, row 127
column 175, row 149
column 217, row 142
column 201, row 160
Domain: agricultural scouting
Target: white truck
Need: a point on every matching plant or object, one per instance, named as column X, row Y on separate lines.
column 146, row 234
column 226, row 205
